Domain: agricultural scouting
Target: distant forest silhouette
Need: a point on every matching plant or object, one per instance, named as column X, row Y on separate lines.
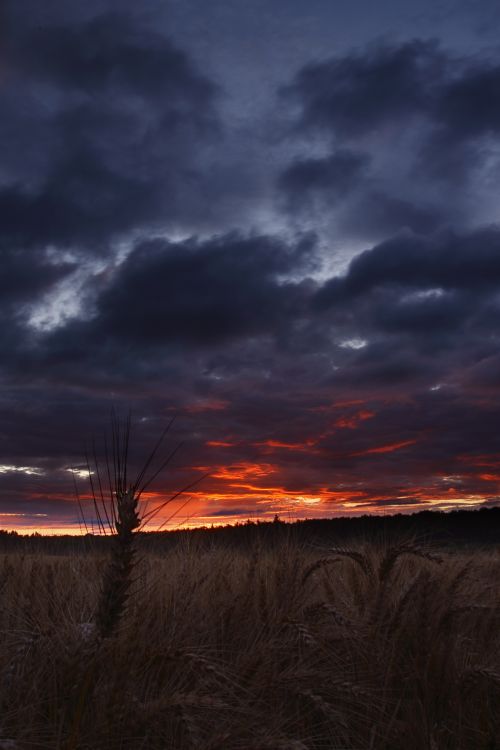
column 453, row 528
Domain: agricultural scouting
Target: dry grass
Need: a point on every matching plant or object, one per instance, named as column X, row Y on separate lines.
column 277, row 648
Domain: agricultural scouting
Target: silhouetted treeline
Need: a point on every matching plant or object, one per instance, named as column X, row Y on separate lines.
column 456, row 528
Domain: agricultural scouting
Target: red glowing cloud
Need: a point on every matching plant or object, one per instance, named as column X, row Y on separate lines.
column 272, row 445
column 354, row 421
column 385, row 448
column 309, row 468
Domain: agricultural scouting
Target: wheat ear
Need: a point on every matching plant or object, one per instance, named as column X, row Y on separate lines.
column 117, row 578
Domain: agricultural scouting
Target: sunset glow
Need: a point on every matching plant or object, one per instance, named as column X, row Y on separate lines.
column 275, row 234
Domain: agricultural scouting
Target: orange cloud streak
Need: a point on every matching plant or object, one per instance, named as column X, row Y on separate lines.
column 486, row 459
column 385, row 448
column 270, row 445
column 243, row 471
column 352, row 422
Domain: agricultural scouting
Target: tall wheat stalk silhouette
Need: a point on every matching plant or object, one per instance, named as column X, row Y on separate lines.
column 120, row 513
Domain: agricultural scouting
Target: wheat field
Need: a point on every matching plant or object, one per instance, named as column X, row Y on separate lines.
column 277, row 647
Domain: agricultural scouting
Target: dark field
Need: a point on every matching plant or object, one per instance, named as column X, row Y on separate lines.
column 260, row 637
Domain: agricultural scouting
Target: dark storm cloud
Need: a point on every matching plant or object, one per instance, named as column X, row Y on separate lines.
column 418, row 114
column 466, row 117
column 416, row 311
column 410, row 312
column 445, row 261
column 376, row 214
column 344, row 185
column 359, row 93
column 23, row 276
column 99, row 126
column 111, row 54
column 469, row 105
column 23, row 279
column 383, row 85
column 332, row 177
column 431, row 316
column 199, row 293
column 384, row 365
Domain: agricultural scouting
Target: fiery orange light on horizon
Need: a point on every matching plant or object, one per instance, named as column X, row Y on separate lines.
column 243, row 487
column 265, row 501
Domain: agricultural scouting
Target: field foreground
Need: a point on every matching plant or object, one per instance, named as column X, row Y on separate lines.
column 278, row 647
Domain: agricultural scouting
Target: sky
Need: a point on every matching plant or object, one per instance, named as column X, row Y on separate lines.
column 276, row 222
